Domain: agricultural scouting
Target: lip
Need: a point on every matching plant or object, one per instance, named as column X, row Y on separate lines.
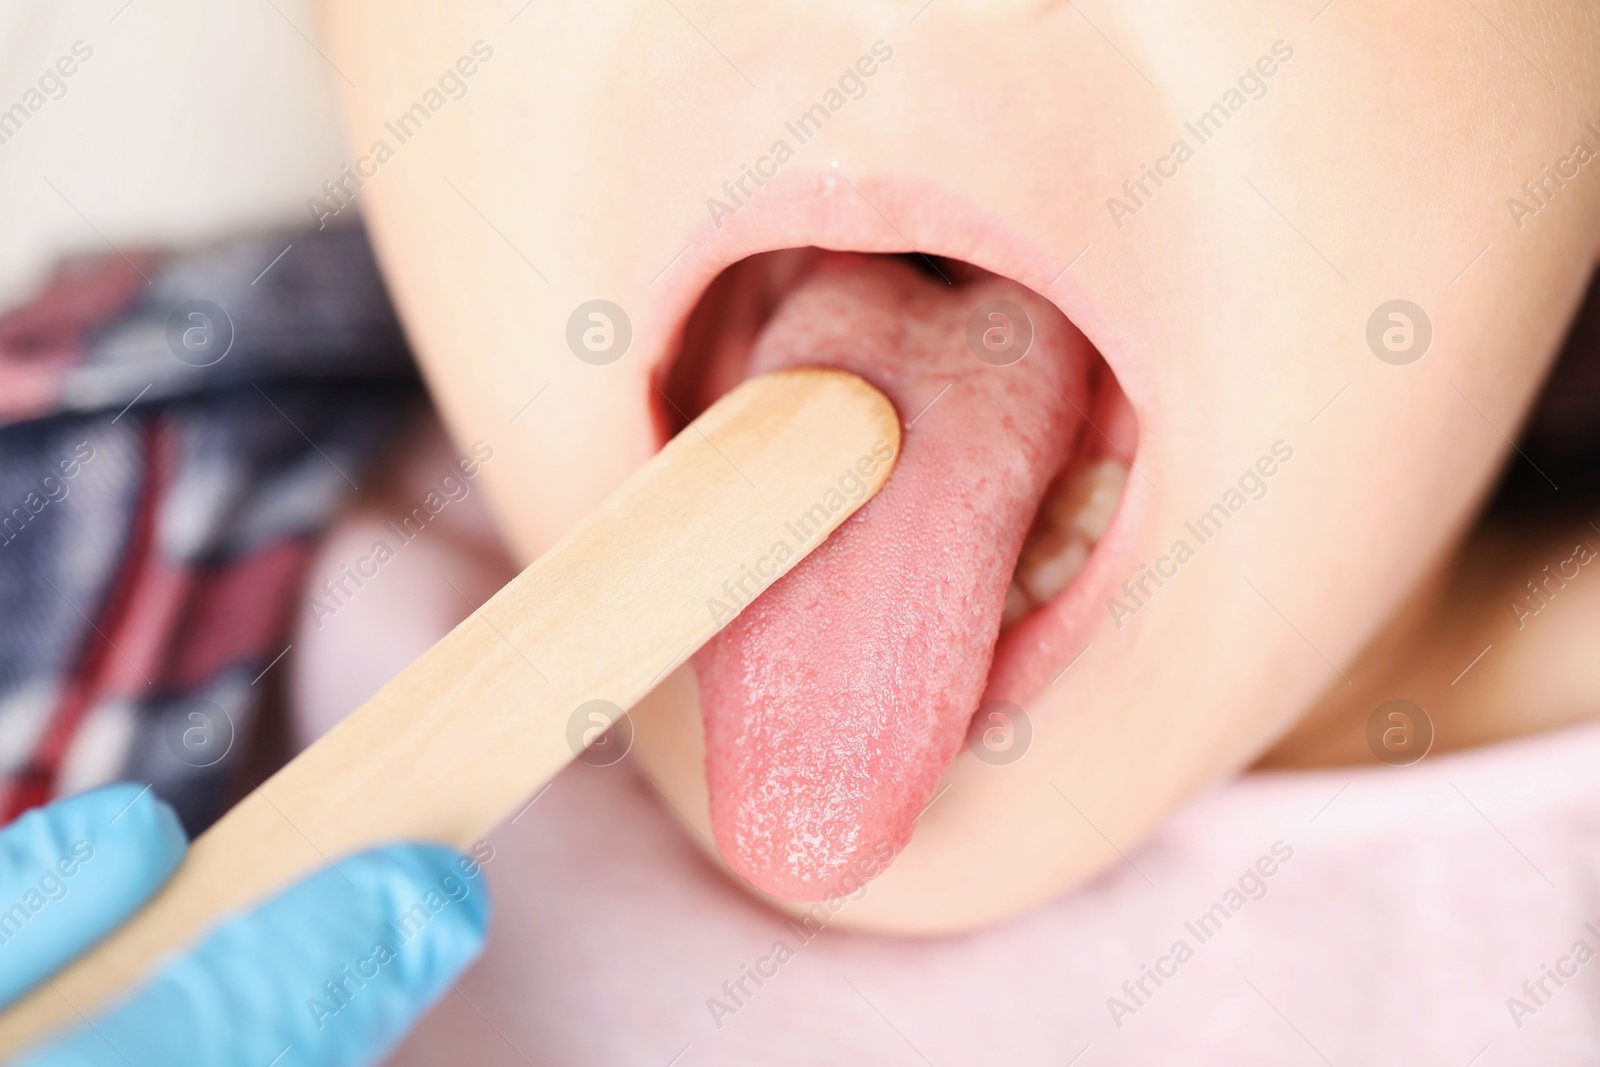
column 832, row 209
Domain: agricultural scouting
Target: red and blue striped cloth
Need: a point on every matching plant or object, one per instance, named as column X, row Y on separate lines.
column 175, row 431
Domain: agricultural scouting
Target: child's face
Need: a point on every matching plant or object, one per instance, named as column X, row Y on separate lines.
column 1227, row 198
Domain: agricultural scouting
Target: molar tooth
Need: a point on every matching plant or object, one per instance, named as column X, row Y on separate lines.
column 1052, row 562
column 1091, row 496
column 1018, row 606
column 1072, row 519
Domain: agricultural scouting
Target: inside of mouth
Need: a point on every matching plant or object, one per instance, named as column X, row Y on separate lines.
column 835, row 698
column 714, row 355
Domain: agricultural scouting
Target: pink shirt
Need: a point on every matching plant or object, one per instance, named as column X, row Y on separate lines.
column 1445, row 913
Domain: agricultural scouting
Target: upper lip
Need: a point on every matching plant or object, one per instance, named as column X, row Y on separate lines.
column 877, row 213
column 869, row 213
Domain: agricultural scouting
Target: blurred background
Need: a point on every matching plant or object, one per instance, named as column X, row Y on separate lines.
column 190, row 120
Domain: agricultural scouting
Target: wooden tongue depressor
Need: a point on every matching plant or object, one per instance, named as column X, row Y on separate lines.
column 464, row 735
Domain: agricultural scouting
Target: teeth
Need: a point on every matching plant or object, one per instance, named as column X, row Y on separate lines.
column 1018, row 605
column 1055, row 560
column 1089, row 498
column 1072, row 518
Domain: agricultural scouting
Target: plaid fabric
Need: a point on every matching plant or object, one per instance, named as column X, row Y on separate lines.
column 175, row 430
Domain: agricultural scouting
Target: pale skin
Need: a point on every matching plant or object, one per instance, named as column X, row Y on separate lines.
column 1231, row 305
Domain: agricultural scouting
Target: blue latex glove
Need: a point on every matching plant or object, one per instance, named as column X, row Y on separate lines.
column 331, row 973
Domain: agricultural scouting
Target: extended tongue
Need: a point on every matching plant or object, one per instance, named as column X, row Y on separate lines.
column 835, row 701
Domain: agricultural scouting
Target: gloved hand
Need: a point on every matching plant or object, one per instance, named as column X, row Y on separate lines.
column 330, row 973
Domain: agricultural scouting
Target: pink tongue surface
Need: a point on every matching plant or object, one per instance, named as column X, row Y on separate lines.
column 835, row 701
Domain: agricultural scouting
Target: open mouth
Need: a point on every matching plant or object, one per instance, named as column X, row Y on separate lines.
column 834, row 702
